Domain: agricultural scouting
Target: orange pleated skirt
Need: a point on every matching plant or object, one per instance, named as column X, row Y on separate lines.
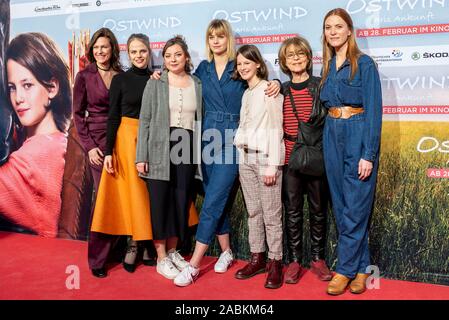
column 122, row 206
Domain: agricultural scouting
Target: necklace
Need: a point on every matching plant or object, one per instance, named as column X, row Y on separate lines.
column 104, row 69
column 260, row 80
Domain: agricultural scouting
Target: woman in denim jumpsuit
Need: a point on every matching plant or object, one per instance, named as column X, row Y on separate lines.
column 351, row 91
column 222, row 98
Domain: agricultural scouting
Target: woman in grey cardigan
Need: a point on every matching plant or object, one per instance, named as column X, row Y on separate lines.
column 167, row 147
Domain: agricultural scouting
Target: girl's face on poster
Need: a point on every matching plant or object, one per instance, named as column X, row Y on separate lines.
column 296, row 60
column 336, row 31
column 218, row 43
column 139, row 54
column 246, row 68
column 175, row 59
column 102, row 50
column 29, row 98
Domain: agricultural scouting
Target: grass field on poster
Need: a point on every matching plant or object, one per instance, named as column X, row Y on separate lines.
column 409, row 236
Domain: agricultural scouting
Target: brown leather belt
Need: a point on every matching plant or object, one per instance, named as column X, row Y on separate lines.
column 344, row 112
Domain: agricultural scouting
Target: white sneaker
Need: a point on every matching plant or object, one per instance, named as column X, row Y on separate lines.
column 166, row 268
column 177, row 260
column 187, row 276
column 224, row 262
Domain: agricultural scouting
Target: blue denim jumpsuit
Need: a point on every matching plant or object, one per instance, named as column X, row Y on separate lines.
column 222, row 100
column 345, row 142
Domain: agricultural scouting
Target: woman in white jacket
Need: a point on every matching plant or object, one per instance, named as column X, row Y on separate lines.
column 259, row 140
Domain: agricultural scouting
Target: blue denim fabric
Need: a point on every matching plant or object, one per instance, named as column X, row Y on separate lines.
column 224, row 94
column 221, row 104
column 345, row 142
column 364, row 90
column 352, row 198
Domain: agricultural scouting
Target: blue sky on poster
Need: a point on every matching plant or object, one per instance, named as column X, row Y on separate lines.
column 394, row 54
column 246, row 16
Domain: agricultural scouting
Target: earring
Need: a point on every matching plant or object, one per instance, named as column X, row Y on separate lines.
column 48, row 104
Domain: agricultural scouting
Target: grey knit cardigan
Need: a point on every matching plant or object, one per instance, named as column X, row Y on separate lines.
column 153, row 144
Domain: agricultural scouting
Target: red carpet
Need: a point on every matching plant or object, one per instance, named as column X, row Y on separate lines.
column 35, row 268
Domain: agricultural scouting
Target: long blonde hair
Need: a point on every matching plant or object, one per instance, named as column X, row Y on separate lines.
column 353, row 52
column 220, row 27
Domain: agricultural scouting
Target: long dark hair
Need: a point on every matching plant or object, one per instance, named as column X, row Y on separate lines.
column 115, row 56
column 39, row 54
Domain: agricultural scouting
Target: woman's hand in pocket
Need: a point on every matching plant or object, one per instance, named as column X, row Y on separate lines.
column 142, row 167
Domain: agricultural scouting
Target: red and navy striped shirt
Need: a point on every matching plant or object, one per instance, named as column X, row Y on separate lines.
column 303, row 103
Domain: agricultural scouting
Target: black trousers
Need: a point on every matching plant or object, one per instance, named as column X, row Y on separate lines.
column 295, row 187
column 170, row 200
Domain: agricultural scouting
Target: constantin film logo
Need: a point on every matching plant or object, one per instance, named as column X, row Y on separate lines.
column 53, row 7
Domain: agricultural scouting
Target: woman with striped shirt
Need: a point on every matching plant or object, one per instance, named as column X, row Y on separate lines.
column 302, row 104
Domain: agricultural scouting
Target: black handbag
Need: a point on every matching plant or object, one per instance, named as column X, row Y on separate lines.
column 307, row 154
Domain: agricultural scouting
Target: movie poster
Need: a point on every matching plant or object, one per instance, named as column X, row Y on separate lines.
column 409, row 41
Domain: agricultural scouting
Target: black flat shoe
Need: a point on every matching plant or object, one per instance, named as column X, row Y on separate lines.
column 129, row 267
column 99, row 273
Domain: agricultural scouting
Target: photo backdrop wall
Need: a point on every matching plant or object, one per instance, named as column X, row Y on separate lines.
column 409, row 40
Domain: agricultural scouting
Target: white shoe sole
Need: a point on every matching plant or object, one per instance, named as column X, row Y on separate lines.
column 223, row 271
column 166, row 275
column 220, row 271
column 182, row 284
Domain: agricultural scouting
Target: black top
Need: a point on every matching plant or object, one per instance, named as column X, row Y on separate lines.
column 300, row 85
column 125, row 99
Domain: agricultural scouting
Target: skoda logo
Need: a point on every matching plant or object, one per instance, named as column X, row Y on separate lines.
column 416, row 56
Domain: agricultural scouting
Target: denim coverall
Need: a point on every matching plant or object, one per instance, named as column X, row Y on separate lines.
column 345, row 142
column 221, row 104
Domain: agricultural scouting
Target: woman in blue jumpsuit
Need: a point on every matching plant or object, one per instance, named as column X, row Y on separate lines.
column 222, row 97
column 352, row 93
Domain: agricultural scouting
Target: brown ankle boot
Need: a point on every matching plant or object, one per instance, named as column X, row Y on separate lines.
column 338, row 284
column 358, row 285
column 274, row 277
column 320, row 268
column 293, row 272
column 255, row 266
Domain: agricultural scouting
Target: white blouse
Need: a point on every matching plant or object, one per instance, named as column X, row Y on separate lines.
column 260, row 125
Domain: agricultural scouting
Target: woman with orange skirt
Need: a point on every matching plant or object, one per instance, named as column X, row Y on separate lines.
column 122, row 206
